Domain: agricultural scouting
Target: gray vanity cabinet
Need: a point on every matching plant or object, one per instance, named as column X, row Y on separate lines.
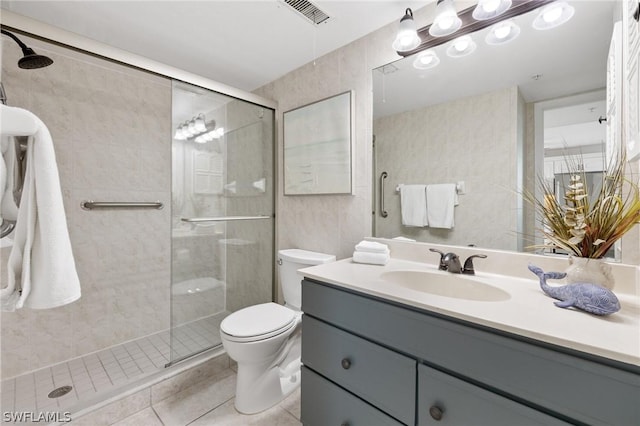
column 404, row 365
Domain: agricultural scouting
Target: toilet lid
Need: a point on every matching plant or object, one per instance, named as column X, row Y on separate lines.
column 257, row 320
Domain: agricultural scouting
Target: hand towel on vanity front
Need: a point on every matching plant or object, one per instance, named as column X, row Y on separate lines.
column 441, row 200
column 41, row 262
column 413, row 205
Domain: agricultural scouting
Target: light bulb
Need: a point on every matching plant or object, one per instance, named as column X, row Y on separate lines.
column 200, row 139
column 502, row 32
column 199, row 123
column 445, row 22
column 490, row 5
column 552, row 14
column 461, row 45
column 426, row 60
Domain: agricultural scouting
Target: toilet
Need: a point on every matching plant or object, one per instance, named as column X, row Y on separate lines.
column 264, row 339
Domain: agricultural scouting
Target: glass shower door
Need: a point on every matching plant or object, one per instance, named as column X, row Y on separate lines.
column 223, row 203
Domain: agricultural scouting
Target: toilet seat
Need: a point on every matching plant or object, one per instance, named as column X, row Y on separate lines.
column 258, row 322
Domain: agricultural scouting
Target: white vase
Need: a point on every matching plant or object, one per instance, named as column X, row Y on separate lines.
column 587, row 270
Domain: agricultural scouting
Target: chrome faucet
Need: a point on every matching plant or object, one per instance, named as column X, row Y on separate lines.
column 451, row 262
column 448, row 262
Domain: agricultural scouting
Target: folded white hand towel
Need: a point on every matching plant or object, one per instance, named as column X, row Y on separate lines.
column 403, row 239
column 372, row 247
column 413, row 205
column 371, row 258
column 441, row 200
column 41, row 257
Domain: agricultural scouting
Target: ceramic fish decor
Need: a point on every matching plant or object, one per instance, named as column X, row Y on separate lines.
column 588, row 297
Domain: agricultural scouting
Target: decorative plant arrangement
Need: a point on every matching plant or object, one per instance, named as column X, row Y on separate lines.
column 587, row 225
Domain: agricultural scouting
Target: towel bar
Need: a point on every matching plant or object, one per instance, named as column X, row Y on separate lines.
column 460, row 187
column 90, row 205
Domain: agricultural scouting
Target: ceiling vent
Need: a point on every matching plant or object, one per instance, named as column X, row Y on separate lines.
column 308, row 10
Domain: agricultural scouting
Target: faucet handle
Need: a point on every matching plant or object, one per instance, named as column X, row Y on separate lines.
column 443, row 265
column 468, row 264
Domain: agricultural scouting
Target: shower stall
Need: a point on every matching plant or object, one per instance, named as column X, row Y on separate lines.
column 156, row 282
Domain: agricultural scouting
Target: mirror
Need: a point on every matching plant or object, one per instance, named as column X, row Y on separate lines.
column 492, row 120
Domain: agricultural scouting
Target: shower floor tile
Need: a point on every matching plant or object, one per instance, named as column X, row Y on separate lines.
column 107, row 369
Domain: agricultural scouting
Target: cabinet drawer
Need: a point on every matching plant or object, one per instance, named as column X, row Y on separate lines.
column 461, row 403
column 324, row 403
column 378, row 375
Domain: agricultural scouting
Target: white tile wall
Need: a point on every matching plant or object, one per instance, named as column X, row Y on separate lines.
column 111, row 131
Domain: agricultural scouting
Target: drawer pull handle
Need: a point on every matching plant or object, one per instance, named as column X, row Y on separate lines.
column 346, row 363
column 436, row 412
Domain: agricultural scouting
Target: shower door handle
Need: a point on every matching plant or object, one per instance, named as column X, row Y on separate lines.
column 383, row 212
column 222, row 219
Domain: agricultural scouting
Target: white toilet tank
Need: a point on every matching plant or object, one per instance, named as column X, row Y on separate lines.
column 290, row 260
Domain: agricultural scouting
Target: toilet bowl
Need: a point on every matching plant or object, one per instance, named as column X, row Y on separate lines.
column 264, row 339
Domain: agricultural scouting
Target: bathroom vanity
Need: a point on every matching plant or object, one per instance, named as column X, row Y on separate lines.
column 375, row 353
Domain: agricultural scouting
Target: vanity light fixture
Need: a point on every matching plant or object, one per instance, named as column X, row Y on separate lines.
column 407, row 38
column 430, row 36
column 462, row 46
column 198, row 130
column 446, row 21
column 489, row 9
column 553, row 15
column 426, row 60
column 502, row 32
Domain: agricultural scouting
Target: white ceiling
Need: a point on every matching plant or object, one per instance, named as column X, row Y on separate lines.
column 244, row 44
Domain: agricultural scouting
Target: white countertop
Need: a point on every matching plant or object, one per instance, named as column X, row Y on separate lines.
column 528, row 312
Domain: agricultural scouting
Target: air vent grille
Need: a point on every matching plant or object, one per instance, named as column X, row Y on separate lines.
column 308, row 10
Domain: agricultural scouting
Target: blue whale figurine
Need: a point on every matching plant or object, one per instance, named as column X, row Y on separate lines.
column 588, row 297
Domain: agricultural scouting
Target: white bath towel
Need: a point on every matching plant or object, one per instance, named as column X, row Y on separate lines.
column 371, row 258
column 441, row 200
column 413, row 205
column 372, row 247
column 41, row 262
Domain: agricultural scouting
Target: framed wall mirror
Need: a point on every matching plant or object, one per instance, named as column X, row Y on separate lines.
column 495, row 119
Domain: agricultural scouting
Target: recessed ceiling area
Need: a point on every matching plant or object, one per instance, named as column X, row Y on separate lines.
column 244, row 44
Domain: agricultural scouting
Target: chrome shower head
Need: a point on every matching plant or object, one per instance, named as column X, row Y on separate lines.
column 31, row 59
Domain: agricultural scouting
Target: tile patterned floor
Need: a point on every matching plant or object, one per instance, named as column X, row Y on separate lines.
column 212, row 403
column 107, row 369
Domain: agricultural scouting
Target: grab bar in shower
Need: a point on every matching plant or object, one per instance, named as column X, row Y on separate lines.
column 222, row 218
column 90, row 205
column 383, row 212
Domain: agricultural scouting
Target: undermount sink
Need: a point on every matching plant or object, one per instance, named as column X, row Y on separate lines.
column 447, row 285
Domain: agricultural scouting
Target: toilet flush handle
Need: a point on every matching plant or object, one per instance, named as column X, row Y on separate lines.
column 279, row 261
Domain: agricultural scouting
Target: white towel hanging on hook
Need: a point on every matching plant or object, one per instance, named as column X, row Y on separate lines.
column 41, row 262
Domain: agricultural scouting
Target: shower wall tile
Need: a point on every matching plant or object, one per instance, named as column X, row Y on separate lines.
column 111, row 128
